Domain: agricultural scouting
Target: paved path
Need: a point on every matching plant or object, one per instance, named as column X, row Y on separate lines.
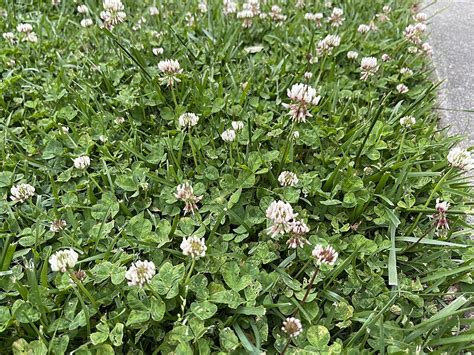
column 451, row 29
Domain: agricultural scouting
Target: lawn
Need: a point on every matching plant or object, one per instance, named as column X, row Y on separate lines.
column 236, row 177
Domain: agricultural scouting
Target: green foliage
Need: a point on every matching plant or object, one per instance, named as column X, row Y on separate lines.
column 367, row 186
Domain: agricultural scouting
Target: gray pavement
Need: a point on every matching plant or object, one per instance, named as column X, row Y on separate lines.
column 451, row 33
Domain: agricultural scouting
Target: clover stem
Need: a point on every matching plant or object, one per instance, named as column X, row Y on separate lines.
column 286, row 346
column 310, row 285
column 190, row 272
column 83, row 289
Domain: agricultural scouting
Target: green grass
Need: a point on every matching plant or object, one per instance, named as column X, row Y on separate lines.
column 367, row 186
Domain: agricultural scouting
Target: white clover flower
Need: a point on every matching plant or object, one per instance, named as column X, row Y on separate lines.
column 202, row 6
column 119, row 120
column 426, row 48
column 21, row 192
column 153, row 11
column 188, row 120
column 442, row 206
column 193, row 247
column 324, row 255
column 57, row 225
column 24, row 28
column 295, row 135
column 287, row 178
column 237, row 125
column 407, row 121
column 386, row 9
column 327, row 44
column 280, row 214
column 87, row 22
column 336, row 19
column 82, row 162
column 113, row 13
column 308, row 75
column 157, row 51
column 250, row 9
column 363, row 29
column 303, row 97
column 63, row 260
column 292, row 326
column 297, row 231
column 185, row 193
column 420, row 17
column 352, row 55
column 9, row 36
column 138, row 25
column 31, row 37
column 82, row 9
column 276, row 14
column 460, row 158
column 55, row 2
column 230, row 7
column 368, row 67
column 299, row 4
column 170, row 68
column 316, row 17
column 228, row 135
column 140, row 273
column 413, row 32
column 385, row 57
column 406, row 71
column 402, row 88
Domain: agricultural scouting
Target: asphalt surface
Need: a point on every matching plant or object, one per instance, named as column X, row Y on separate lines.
column 451, row 34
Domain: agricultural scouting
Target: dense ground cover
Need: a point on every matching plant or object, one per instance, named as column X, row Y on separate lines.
column 227, row 178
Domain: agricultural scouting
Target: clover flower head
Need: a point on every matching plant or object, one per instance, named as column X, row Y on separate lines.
column 368, row 67
column 352, row 55
column 82, row 9
column 324, row 255
column 140, row 273
column 287, row 178
column 336, row 19
column 426, row 48
column 9, row 36
column 87, row 22
column 170, row 68
column 315, row 17
column 185, row 193
column 363, row 28
column 63, row 260
column 24, row 28
column 153, row 10
column 237, row 125
column 281, row 215
column 296, row 238
column 157, row 51
column 402, row 88
column 407, row 121
column 303, row 96
column 327, row 44
column 292, row 326
column 460, row 158
column 113, row 13
column 442, row 206
column 228, row 135
column 385, row 57
column 188, row 120
column 276, row 14
column 57, row 225
column 82, row 162
column 230, row 7
column 420, row 17
column 21, row 192
column 193, row 247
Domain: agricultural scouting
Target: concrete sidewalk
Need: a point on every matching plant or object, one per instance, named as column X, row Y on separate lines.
column 451, row 33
